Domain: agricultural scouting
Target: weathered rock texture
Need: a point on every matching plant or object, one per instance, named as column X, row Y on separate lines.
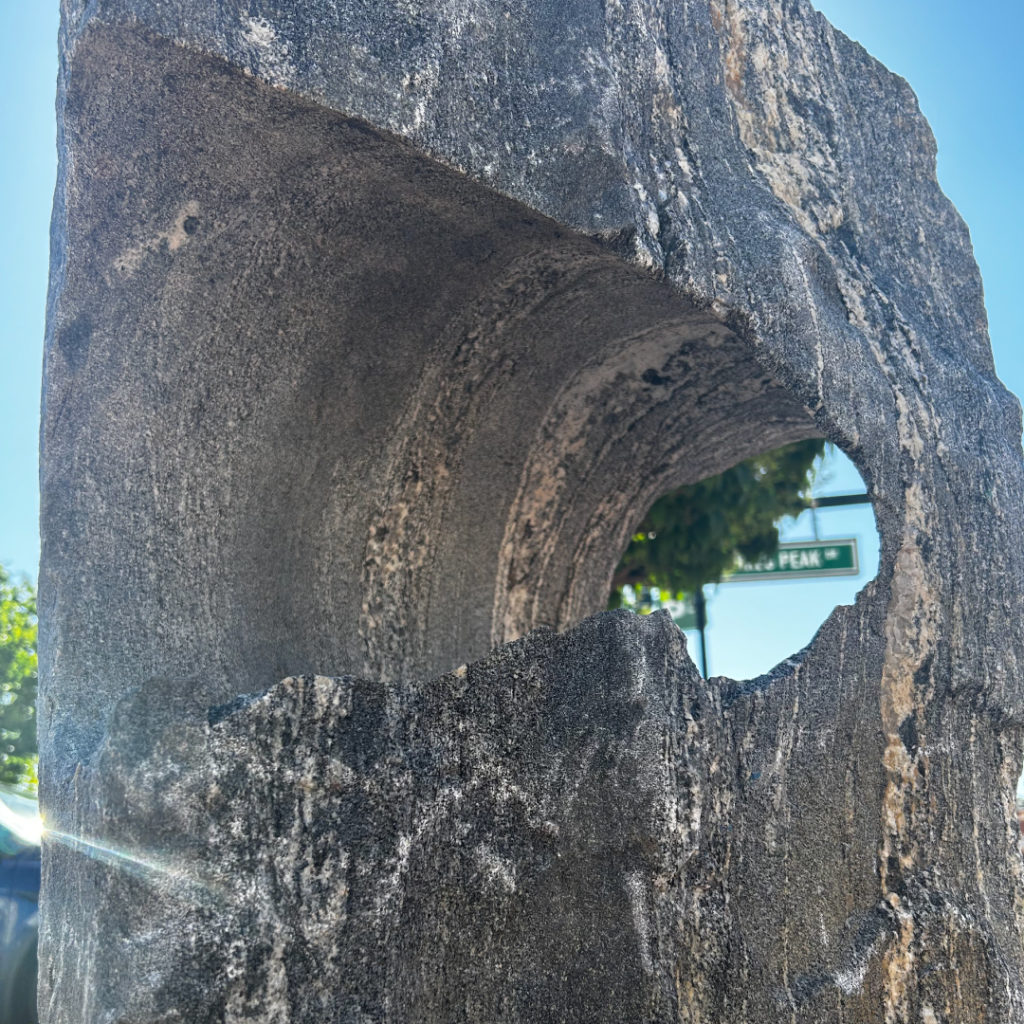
column 374, row 329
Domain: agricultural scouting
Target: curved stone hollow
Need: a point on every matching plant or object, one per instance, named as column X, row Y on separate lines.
column 373, row 331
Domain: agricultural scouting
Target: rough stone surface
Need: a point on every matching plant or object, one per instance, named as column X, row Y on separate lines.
column 502, row 841
column 373, row 330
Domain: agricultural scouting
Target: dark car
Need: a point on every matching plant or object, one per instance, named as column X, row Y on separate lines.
column 20, row 832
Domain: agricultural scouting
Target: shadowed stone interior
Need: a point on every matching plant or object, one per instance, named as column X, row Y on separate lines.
column 399, row 418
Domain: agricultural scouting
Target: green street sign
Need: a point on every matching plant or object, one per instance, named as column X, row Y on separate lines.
column 802, row 560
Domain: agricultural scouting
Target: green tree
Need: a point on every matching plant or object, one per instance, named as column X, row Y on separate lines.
column 694, row 534
column 18, row 682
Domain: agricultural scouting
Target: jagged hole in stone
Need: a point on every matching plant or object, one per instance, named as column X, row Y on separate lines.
column 754, row 624
column 662, row 404
column 409, row 419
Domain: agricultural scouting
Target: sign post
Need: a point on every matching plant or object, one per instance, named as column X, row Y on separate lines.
column 799, row 560
column 702, row 621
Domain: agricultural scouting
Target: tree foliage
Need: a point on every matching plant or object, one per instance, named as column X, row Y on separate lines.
column 18, row 681
column 693, row 535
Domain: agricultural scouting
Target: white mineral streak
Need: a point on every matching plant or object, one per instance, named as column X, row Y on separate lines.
column 783, row 752
column 417, row 96
column 790, row 152
column 850, row 980
column 604, row 80
column 498, row 872
column 911, row 631
column 271, row 60
column 399, row 544
column 429, row 815
column 854, row 297
column 639, row 903
column 325, row 896
column 271, row 1003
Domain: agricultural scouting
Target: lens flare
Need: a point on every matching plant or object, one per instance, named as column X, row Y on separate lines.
column 186, row 877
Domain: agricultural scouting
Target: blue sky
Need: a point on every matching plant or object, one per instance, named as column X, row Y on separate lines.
column 28, row 71
column 963, row 62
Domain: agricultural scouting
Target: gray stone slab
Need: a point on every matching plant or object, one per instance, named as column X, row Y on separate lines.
column 373, row 331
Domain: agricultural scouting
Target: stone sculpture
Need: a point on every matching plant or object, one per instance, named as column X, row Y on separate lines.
column 373, row 330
